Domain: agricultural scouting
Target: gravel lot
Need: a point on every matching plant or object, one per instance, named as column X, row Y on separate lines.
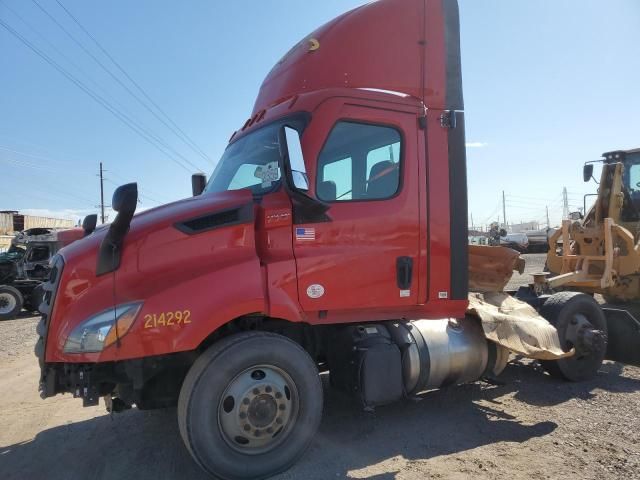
column 532, row 427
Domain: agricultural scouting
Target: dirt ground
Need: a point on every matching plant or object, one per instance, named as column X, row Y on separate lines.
column 532, row 427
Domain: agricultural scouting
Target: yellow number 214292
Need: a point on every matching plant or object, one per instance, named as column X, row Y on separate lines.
column 167, row 319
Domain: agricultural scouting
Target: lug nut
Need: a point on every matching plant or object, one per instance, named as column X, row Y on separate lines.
column 282, row 406
column 247, row 428
column 268, row 389
column 279, row 421
column 278, row 395
column 246, row 401
column 269, row 430
column 243, row 415
column 256, row 391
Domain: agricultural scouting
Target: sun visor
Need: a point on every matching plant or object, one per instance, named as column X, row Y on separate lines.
column 407, row 46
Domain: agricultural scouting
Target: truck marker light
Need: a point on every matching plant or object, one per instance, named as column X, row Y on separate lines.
column 314, row 44
column 98, row 332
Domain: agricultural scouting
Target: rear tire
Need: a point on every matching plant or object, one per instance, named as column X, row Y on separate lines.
column 563, row 310
column 11, row 302
column 250, row 406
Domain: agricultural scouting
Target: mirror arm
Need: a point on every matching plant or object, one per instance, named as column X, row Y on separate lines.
column 306, row 209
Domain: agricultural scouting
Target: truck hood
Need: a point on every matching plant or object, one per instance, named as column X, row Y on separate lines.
column 415, row 44
column 170, row 215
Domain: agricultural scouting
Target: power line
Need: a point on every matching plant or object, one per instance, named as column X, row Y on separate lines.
column 23, row 163
column 151, row 199
column 176, row 130
column 149, row 137
column 112, row 75
column 85, row 50
column 104, row 91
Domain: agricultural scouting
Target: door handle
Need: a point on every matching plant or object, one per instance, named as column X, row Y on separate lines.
column 404, row 272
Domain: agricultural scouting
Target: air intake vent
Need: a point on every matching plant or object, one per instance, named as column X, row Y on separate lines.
column 225, row 218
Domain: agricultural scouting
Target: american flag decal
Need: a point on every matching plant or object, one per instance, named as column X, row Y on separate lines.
column 305, row 234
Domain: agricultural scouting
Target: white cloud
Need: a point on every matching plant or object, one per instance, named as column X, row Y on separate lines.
column 476, row 144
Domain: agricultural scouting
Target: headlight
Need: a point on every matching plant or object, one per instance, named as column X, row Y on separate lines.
column 103, row 329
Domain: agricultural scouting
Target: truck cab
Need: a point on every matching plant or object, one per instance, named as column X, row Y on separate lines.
column 331, row 236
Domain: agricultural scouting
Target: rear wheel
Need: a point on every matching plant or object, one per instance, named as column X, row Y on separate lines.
column 250, row 405
column 11, row 302
column 581, row 324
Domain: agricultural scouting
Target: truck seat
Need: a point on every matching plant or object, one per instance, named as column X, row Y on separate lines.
column 383, row 180
column 327, row 191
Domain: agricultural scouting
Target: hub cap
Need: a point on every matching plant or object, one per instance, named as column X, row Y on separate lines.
column 258, row 409
column 7, row 303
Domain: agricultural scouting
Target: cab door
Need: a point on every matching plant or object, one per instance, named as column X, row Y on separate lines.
column 367, row 257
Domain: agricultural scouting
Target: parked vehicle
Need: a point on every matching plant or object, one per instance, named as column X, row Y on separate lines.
column 26, row 265
column 332, row 236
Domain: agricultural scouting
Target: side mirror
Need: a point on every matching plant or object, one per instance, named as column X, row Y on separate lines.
column 198, row 183
column 293, row 152
column 125, row 198
column 575, row 216
column 503, row 232
column 587, row 172
column 89, row 224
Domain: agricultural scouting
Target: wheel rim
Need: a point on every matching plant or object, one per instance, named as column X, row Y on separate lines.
column 258, row 409
column 581, row 333
column 7, row 303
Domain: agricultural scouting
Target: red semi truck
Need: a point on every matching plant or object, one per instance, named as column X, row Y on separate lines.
column 331, row 236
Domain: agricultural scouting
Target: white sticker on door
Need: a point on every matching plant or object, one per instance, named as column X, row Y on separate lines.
column 315, row 291
column 405, row 293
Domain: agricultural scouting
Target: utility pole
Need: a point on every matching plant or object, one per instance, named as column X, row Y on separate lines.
column 504, row 211
column 472, row 226
column 101, row 195
column 565, row 204
column 548, row 225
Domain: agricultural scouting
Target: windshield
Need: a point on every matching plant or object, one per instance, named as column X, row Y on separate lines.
column 251, row 162
column 632, row 172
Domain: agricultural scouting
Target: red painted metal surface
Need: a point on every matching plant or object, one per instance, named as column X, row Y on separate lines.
column 258, row 267
column 393, row 45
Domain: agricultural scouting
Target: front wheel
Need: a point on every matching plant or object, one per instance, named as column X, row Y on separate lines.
column 250, row 406
column 11, row 302
column 581, row 324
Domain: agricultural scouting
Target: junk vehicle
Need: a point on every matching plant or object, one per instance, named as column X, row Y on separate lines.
column 25, row 265
column 331, row 237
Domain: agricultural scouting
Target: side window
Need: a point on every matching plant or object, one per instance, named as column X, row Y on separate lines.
column 337, row 177
column 39, row 254
column 634, row 177
column 359, row 162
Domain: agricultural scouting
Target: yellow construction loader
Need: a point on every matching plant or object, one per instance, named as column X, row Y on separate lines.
column 600, row 254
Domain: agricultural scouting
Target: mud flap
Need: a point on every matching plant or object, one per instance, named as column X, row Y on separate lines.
column 623, row 343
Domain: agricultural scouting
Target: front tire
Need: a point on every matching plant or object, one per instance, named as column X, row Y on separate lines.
column 581, row 324
column 250, row 406
column 11, row 302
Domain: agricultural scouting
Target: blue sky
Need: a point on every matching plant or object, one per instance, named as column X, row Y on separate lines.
column 548, row 85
